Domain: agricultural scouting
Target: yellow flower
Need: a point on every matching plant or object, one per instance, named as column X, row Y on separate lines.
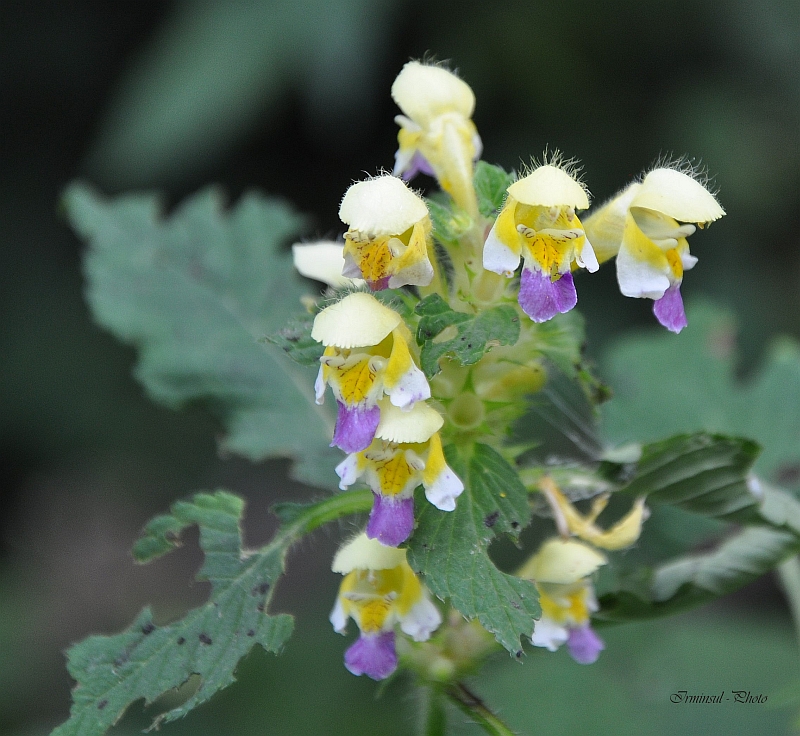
column 538, row 224
column 561, row 570
column 379, row 590
column 366, row 356
column 389, row 234
column 437, row 136
column 642, row 227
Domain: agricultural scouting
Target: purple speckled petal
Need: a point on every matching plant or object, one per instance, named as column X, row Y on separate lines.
column 669, row 309
column 418, row 165
column 542, row 299
column 380, row 284
column 355, row 427
column 584, row 645
column 372, row 655
column 391, row 520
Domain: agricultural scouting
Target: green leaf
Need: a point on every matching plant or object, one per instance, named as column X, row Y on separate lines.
column 473, row 334
column 146, row 660
column 451, row 548
column 296, row 341
column 449, row 223
column 702, row 473
column 491, row 183
column 694, row 579
column 665, row 384
column 195, row 293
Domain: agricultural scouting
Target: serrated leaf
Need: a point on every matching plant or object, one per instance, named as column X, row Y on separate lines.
column 695, row 579
column 491, row 183
column 665, row 384
column 702, row 473
column 295, row 340
column 195, row 293
column 451, row 548
column 474, row 334
column 146, row 660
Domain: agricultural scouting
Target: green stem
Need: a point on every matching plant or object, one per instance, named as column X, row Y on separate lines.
column 789, row 573
column 470, row 704
column 334, row 507
column 434, row 713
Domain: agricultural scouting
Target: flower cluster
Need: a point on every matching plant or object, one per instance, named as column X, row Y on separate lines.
column 392, row 423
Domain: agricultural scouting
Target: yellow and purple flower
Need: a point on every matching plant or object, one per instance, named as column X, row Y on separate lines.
column 437, row 136
column 538, row 224
column 389, row 234
column 378, row 592
column 646, row 226
column 561, row 570
column 406, row 452
column 366, row 356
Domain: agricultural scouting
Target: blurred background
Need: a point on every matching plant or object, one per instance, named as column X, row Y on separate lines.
column 292, row 97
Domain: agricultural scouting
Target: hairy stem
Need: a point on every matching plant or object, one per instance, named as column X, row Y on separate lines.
column 330, row 509
column 470, row 704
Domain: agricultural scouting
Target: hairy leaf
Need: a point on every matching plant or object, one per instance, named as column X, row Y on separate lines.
column 196, row 293
column 146, row 660
column 491, row 183
column 666, row 384
column 449, row 224
column 473, row 334
column 296, row 341
column 451, row 548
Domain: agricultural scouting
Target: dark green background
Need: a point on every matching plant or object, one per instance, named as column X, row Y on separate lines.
column 293, row 98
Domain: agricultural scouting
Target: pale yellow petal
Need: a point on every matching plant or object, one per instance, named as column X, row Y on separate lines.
column 381, row 206
column 356, row 321
column 562, row 561
column 414, row 425
column 362, row 553
column 424, row 91
column 549, row 186
column 678, row 195
column 322, row 261
column 605, row 225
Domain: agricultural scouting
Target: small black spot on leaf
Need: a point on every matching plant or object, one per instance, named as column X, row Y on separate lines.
column 251, row 632
column 491, row 519
column 148, row 628
column 518, row 654
column 205, row 638
column 181, row 640
column 260, row 606
column 515, row 525
column 102, row 704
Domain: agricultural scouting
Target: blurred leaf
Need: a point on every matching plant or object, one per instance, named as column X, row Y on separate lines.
column 451, row 547
column 702, row 473
column 473, row 334
column 491, row 183
column 213, row 70
column 694, row 579
column 666, row 384
column 195, row 293
column 146, row 661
